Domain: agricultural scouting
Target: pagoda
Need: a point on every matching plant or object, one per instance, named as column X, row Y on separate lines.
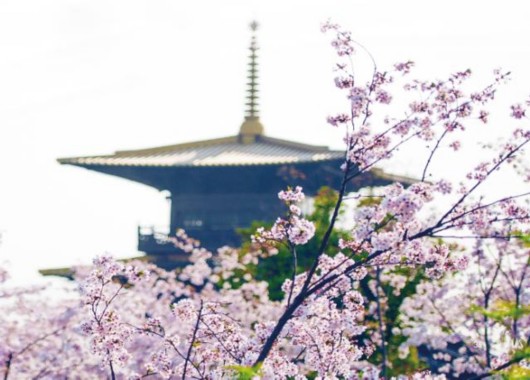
column 217, row 186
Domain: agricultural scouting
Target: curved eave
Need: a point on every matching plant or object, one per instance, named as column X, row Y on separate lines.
column 132, row 162
column 158, row 166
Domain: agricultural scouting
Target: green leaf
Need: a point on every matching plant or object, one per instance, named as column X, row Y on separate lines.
column 502, row 310
column 526, row 240
column 516, row 372
column 245, row 372
column 523, row 353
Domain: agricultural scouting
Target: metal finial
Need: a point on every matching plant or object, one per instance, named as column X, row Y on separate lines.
column 252, row 84
column 252, row 127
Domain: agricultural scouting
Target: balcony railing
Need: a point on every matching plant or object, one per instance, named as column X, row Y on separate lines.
column 155, row 241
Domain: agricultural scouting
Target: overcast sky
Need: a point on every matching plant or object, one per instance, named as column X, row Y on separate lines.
column 86, row 77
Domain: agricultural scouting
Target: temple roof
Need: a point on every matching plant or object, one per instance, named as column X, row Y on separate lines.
column 248, row 148
column 239, row 150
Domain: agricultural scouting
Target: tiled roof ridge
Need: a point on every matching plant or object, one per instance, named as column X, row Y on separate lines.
column 294, row 144
column 205, row 143
column 181, row 146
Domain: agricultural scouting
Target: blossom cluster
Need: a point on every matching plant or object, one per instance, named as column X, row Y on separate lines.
column 294, row 229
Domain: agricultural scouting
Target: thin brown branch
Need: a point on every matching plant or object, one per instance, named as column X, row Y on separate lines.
column 299, row 299
column 194, row 336
column 453, row 331
column 487, row 296
column 479, row 182
column 219, row 340
column 432, row 154
column 112, row 374
column 8, row 365
column 380, row 322
column 292, row 249
column 486, row 206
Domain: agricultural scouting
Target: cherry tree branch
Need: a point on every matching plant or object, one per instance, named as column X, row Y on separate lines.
column 380, row 322
column 499, row 368
column 432, row 154
column 479, row 182
column 8, row 365
column 292, row 249
column 194, row 336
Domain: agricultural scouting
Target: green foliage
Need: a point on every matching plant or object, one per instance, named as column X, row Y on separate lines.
column 526, row 240
column 412, row 362
column 516, row 372
column 523, row 353
column 503, row 310
column 244, row 372
column 392, row 304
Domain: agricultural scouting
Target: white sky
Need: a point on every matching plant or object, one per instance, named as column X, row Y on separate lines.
column 85, row 77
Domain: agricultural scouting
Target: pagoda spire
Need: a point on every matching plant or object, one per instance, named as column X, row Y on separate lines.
column 252, row 90
column 252, row 127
